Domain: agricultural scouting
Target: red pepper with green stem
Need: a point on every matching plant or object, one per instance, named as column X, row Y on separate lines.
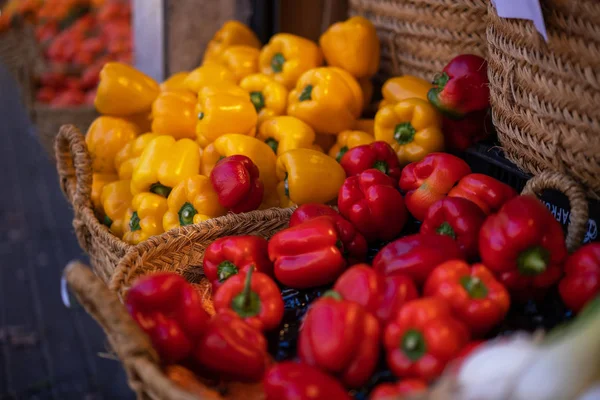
column 524, row 246
column 473, row 294
column 230, row 255
column 488, row 193
column 237, row 183
column 254, row 296
column 170, row 311
column 341, row 338
column 405, row 387
column 582, row 277
column 378, row 155
column 430, row 180
column 457, row 218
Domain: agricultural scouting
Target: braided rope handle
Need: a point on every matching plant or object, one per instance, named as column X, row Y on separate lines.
column 74, row 166
column 577, row 198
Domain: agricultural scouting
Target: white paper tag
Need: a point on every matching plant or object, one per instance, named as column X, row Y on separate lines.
column 523, row 9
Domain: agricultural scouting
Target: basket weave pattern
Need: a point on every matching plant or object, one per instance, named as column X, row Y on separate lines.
column 50, row 119
column 546, row 96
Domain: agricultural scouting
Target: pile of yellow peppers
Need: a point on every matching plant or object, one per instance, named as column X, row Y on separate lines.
column 155, row 144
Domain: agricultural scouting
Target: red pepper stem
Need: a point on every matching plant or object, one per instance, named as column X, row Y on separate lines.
column 533, row 261
column 446, row 229
column 474, row 287
column 247, row 302
column 413, row 344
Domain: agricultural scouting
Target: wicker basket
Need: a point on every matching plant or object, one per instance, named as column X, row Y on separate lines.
column 106, row 250
column 546, row 96
column 418, row 37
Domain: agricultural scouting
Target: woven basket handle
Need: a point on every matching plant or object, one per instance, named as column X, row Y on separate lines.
column 577, row 199
column 74, row 166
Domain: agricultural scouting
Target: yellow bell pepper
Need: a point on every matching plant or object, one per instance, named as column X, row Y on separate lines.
column 413, row 128
column 268, row 96
column 128, row 156
column 123, row 90
column 308, row 176
column 174, row 113
column 285, row 133
column 206, row 75
column 163, row 164
column 104, row 138
column 288, row 56
column 357, row 93
column 192, row 201
column 231, row 33
column 221, row 111
column 323, row 99
column 116, row 199
column 404, row 87
column 348, row 140
column 99, row 181
column 144, row 218
column 241, row 60
column 175, row 81
column 352, row 45
column 365, row 125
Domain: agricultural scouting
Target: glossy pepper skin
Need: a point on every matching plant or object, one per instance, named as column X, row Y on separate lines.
column 422, row 338
column 286, row 133
column 460, row 134
column 192, row 201
column 416, row 256
column 237, row 183
column 175, row 82
column 230, row 34
column 129, row 154
column 473, row 294
column 488, row 193
column 347, row 140
column 371, row 202
column 324, row 99
column 123, row 90
column 241, row 60
column 308, row 255
column 380, row 295
column 104, row 138
column 230, row 255
column 163, row 164
column 170, row 311
column 232, row 349
column 582, row 277
column 405, row 387
column 208, row 75
column 523, row 245
column 174, row 113
column 98, row 183
column 378, row 155
column 404, row 87
column 268, row 96
column 300, row 173
column 340, row 337
column 144, row 218
column 429, row 180
column 462, row 86
column 254, row 296
column 412, row 127
column 353, row 242
column 298, row 381
column 457, row 218
column 116, row 199
column 352, row 45
column 288, row 56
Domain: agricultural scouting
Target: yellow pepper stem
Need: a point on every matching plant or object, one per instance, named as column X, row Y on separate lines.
column 134, row 222
column 186, row 214
column 277, row 62
column 306, row 93
column 258, row 100
column 274, row 144
column 160, row 189
column 404, row 133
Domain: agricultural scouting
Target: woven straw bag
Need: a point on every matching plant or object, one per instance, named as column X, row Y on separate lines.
column 419, row 37
column 106, row 250
column 546, row 96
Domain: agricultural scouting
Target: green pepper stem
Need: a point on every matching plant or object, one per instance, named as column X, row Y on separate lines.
column 474, row 287
column 107, row 221
column 134, row 222
column 413, row 344
column 277, row 62
column 286, row 185
column 341, row 153
column 160, row 189
column 247, row 303
column 533, row 261
column 225, row 270
column 440, row 80
column 257, row 100
column 446, row 229
column 306, row 93
column 247, row 289
column 404, row 133
column 273, row 144
column 381, row 166
column 333, row 294
column 200, row 115
column 186, row 214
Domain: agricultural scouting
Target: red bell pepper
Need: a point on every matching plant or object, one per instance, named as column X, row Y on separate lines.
column 298, row 381
column 232, row 349
column 340, row 337
column 429, row 180
column 237, row 183
column 523, row 245
column 473, row 294
column 253, row 296
column 170, row 311
column 488, row 193
column 416, row 256
column 380, row 295
column 463, row 133
column 457, row 218
column 229, row 255
column 582, row 277
column 371, row 202
column 422, row 338
column 462, row 86
column 353, row 242
column 308, row 255
column 387, row 391
column 378, row 155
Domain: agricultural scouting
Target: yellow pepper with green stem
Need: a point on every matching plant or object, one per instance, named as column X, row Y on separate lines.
column 144, row 218
column 231, row 33
column 104, row 138
column 285, row 133
column 241, row 61
column 348, row 140
column 268, row 96
column 174, row 113
column 128, row 156
column 206, row 75
column 116, row 199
